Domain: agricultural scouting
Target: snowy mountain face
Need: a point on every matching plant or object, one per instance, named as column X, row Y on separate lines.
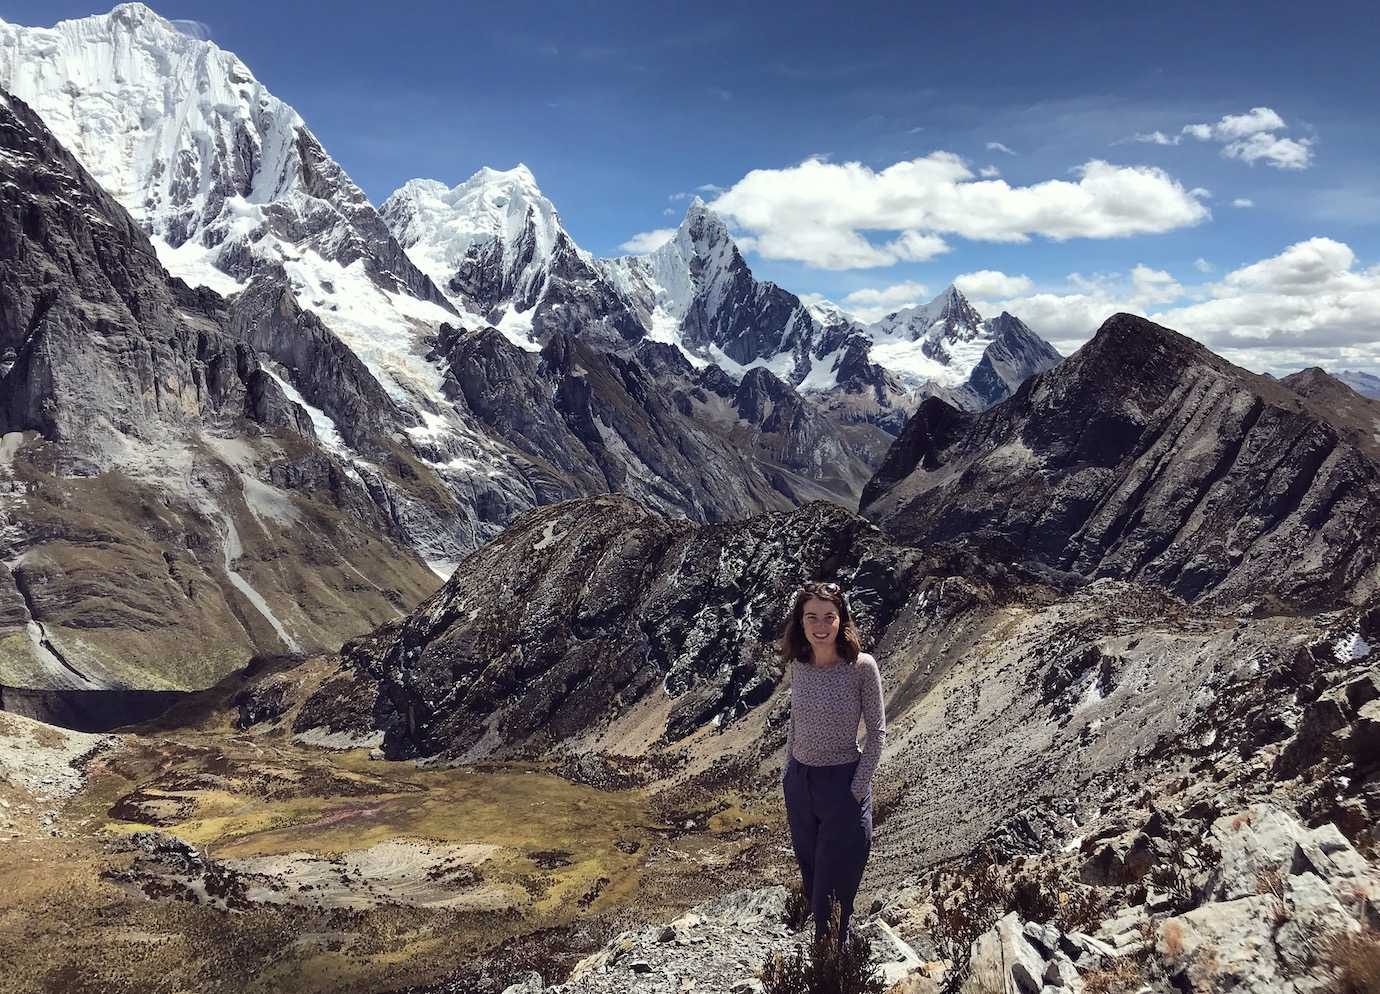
column 496, row 246
column 939, row 343
column 225, row 178
column 195, row 147
column 237, row 194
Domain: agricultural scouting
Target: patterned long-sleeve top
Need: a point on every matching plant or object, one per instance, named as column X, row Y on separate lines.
column 826, row 704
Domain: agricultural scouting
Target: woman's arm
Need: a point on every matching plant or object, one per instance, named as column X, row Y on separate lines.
column 874, row 717
column 790, row 734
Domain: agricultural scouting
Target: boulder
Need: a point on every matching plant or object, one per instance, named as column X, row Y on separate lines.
column 1003, row 956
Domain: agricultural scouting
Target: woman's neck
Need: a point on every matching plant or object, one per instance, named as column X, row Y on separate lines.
column 817, row 659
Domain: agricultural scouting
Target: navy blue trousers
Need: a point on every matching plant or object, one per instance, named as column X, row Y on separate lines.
column 831, row 833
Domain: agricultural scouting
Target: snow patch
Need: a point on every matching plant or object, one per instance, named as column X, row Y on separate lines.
column 232, row 551
column 339, row 740
column 549, row 536
column 1351, row 647
column 443, row 567
column 192, row 263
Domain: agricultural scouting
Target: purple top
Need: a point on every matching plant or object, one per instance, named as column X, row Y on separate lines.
column 826, row 704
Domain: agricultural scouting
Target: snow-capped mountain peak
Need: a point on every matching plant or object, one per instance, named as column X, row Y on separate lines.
column 827, row 313
column 949, row 316
column 498, row 213
column 222, row 175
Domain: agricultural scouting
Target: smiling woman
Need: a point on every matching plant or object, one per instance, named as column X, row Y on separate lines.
column 827, row 781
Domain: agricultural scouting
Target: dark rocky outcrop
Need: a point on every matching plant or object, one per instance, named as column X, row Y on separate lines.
column 1146, row 456
column 693, row 445
column 106, row 347
column 619, row 604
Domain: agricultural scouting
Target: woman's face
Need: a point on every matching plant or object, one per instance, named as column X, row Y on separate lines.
column 821, row 620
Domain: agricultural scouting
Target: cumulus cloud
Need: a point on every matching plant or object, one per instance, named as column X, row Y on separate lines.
column 817, row 212
column 1154, row 286
column 1243, row 202
column 1203, row 266
column 999, row 147
column 1311, row 304
column 986, row 283
column 648, row 241
column 987, row 172
column 1282, row 153
column 874, row 304
column 1251, row 137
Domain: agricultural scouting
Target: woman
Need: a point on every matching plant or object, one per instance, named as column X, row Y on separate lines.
column 827, row 780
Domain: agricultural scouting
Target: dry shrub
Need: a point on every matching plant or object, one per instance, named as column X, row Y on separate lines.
column 1270, row 883
column 1351, row 962
column 797, row 906
column 978, row 901
column 1047, row 897
column 829, row 969
column 1122, row 976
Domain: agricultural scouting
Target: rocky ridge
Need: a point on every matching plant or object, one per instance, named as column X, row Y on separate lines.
column 1146, row 456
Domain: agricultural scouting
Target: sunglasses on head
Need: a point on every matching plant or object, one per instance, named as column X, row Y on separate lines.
column 830, row 587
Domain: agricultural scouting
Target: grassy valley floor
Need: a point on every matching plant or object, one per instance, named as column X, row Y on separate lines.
column 321, row 870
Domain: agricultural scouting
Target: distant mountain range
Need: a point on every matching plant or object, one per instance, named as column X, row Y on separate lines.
column 324, row 399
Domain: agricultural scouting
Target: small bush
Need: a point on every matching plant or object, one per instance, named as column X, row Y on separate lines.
column 1351, row 962
column 1123, row 976
column 829, row 969
column 978, row 901
column 797, row 906
column 1270, row 883
column 1047, row 897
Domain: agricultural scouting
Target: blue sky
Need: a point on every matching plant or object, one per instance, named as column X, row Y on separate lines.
column 618, row 108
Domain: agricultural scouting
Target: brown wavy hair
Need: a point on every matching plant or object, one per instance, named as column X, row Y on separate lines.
column 792, row 643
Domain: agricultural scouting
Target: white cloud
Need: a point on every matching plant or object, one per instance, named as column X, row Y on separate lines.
column 1250, row 137
column 1203, row 266
column 1154, row 286
column 669, row 211
column 999, row 147
column 1256, row 120
column 988, row 172
column 710, row 188
column 817, row 212
column 986, row 283
column 1308, row 305
column 1304, row 267
column 647, row 241
column 873, row 304
column 1159, row 138
column 1282, row 153
column 682, row 195
column 1243, row 202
